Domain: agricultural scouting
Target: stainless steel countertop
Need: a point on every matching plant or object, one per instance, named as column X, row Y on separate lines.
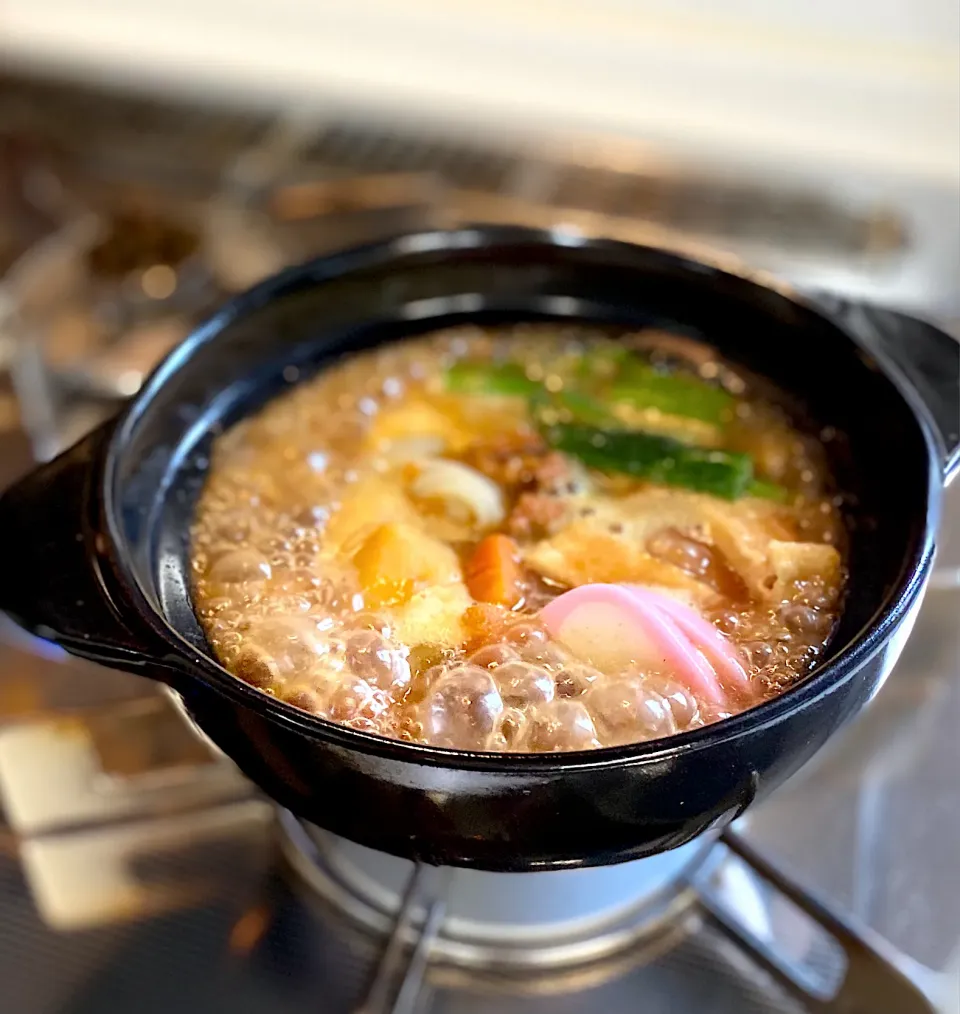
column 873, row 822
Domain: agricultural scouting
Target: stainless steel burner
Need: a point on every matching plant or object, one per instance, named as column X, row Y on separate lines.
column 506, row 920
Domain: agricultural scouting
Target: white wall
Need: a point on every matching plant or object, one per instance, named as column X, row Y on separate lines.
column 874, row 82
column 892, row 22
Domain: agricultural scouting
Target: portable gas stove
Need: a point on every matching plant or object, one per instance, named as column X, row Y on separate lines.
column 139, row 872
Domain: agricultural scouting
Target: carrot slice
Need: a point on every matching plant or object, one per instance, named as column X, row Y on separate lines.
column 493, row 572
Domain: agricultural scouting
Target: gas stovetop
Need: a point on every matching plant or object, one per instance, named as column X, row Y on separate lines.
column 140, row 872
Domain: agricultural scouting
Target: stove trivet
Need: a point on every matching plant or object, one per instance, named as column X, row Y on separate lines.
column 449, row 927
column 502, row 920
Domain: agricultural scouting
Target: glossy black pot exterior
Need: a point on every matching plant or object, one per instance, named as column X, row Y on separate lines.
column 96, row 542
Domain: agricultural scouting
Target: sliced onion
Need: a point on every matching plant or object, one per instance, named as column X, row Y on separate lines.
column 466, row 493
column 415, row 448
column 610, row 627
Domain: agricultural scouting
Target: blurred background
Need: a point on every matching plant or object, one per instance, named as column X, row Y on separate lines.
column 167, row 154
column 155, row 158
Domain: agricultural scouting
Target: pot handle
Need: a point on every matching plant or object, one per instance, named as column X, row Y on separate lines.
column 927, row 357
column 52, row 583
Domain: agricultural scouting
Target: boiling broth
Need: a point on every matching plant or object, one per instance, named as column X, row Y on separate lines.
column 388, row 544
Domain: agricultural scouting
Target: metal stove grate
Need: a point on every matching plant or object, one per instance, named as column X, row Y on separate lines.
column 354, row 149
column 104, row 136
column 729, row 211
column 111, row 136
column 705, row 972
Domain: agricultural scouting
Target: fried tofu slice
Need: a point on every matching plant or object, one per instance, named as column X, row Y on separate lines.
column 583, row 553
column 607, row 543
column 434, row 616
column 371, row 502
column 396, row 560
column 793, row 562
column 414, row 421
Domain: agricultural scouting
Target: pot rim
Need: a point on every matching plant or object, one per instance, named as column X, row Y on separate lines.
column 183, row 657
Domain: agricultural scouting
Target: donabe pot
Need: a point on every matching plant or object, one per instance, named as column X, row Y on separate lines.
column 96, row 552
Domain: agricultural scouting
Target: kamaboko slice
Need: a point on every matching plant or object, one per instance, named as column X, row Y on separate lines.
column 614, row 629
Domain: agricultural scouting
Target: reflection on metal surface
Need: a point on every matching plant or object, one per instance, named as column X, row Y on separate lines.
column 423, row 901
column 824, row 963
column 146, row 744
column 861, row 975
column 105, row 875
column 297, row 201
column 249, row 929
column 131, row 761
column 39, row 680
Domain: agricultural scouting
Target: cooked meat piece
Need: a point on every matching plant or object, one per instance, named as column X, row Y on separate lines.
column 542, row 481
column 525, row 463
column 537, row 515
column 557, row 473
column 510, row 462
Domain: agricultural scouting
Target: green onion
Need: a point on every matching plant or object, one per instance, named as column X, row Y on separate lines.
column 766, row 490
column 642, row 386
column 582, row 425
column 634, row 383
column 498, row 379
column 569, row 406
column 602, row 363
column 660, row 459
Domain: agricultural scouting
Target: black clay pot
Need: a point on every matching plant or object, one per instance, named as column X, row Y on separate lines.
column 96, row 552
